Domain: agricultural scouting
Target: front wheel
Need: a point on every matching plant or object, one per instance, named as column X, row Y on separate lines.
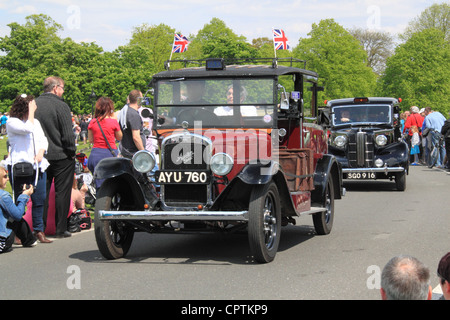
column 113, row 237
column 400, row 181
column 264, row 226
column 323, row 221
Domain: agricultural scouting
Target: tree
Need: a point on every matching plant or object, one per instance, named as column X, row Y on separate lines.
column 339, row 60
column 157, row 41
column 418, row 71
column 436, row 16
column 216, row 40
column 125, row 69
column 22, row 63
column 34, row 51
column 378, row 45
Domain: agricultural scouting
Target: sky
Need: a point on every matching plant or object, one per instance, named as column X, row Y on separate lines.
column 110, row 23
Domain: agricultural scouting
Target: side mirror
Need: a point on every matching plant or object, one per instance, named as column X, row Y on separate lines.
column 144, row 101
column 284, row 103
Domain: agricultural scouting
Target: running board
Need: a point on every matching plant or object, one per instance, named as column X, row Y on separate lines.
column 313, row 210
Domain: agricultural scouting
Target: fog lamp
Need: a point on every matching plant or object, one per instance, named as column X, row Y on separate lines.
column 379, row 163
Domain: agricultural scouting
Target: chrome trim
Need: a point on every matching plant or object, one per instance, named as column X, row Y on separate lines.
column 187, row 137
column 381, row 170
column 360, row 148
column 174, row 215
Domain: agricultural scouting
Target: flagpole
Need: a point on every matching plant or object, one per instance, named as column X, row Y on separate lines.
column 171, row 50
column 273, row 40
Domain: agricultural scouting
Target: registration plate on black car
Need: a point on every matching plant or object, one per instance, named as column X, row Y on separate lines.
column 360, row 175
column 182, row 177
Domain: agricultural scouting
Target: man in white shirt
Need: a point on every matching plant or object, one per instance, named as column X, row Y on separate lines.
column 246, row 111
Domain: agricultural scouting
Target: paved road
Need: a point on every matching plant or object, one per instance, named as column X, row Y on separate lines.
column 373, row 223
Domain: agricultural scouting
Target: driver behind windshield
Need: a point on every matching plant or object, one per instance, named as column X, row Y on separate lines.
column 195, row 91
column 345, row 115
column 194, row 95
column 246, row 111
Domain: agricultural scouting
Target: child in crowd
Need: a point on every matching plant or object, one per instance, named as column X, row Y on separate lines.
column 415, row 142
column 11, row 215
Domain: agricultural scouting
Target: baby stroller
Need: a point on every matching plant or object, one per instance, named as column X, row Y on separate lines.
column 83, row 175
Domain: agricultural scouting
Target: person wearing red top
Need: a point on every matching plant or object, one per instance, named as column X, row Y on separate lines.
column 104, row 115
column 414, row 119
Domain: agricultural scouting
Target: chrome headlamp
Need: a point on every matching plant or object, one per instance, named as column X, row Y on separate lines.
column 143, row 161
column 381, row 140
column 340, row 141
column 221, row 164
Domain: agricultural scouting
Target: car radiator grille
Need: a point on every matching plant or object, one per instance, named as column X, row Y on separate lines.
column 361, row 150
column 184, row 194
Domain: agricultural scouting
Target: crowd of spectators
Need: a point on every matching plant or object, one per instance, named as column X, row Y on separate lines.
column 431, row 126
column 43, row 135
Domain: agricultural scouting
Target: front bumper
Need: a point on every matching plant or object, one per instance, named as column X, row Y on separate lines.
column 174, row 215
column 385, row 170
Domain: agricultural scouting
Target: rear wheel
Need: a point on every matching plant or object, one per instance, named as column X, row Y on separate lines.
column 323, row 221
column 113, row 237
column 264, row 226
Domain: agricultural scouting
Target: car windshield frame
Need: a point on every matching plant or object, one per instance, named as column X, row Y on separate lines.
column 211, row 101
column 361, row 114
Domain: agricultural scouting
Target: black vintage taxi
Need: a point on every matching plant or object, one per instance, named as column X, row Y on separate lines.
column 365, row 136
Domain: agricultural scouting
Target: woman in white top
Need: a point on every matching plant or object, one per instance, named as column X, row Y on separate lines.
column 28, row 143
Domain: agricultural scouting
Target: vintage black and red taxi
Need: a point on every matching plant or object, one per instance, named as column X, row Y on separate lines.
column 237, row 153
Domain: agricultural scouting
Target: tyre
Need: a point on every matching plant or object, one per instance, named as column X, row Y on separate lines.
column 113, row 237
column 264, row 225
column 323, row 221
column 400, row 181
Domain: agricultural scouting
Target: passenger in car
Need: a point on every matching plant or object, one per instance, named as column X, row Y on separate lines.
column 246, row 111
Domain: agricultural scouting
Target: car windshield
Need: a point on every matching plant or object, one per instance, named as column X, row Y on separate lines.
column 216, row 103
column 361, row 114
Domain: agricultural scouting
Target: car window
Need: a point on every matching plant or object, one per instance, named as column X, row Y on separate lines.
column 359, row 114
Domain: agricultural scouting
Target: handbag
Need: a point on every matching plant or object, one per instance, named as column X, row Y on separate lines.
column 109, row 146
column 23, row 169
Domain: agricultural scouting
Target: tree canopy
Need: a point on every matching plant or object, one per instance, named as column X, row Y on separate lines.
column 349, row 62
column 419, row 71
column 339, row 59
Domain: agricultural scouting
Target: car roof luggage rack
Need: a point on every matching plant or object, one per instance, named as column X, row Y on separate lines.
column 224, row 62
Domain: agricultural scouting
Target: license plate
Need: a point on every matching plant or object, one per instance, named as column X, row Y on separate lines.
column 183, row 177
column 361, row 175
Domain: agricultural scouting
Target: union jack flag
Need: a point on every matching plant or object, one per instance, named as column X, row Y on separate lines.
column 280, row 40
column 180, row 43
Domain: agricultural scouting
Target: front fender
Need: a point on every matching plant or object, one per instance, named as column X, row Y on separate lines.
column 120, row 169
column 237, row 192
column 113, row 167
column 258, row 173
column 327, row 166
column 396, row 154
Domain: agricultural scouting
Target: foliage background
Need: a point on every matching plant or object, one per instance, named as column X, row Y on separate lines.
column 349, row 62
